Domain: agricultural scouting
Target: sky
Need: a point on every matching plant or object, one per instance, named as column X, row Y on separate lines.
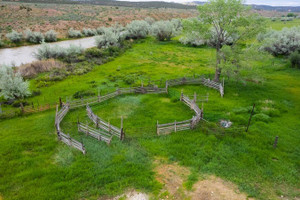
column 259, row 2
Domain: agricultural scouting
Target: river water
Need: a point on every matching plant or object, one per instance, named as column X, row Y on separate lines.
column 23, row 55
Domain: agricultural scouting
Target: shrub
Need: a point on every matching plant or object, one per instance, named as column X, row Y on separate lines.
column 51, row 36
column 295, row 59
column 163, row 30
column 149, row 20
column 177, row 25
column 93, row 53
column 129, row 79
column 89, row 32
column 46, row 51
column 12, row 85
column 192, row 38
column 32, row 69
column 282, row 42
column 261, row 117
column 14, row 36
column 83, row 93
column 74, row 33
column 100, row 30
column 108, row 39
column 33, row 37
column 137, row 29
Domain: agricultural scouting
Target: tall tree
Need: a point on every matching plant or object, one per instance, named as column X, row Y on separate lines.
column 227, row 19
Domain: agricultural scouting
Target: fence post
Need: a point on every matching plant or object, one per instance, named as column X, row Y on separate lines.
column 175, row 126
column 99, row 95
column 250, row 117
column 142, row 84
column 157, row 129
column 56, row 114
column 108, row 127
column 195, row 97
column 87, row 129
column 181, row 95
column 22, row 107
column 69, row 139
column 60, row 102
column 97, row 122
column 78, row 126
column 202, row 111
column 275, row 142
column 167, row 87
column 122, row 131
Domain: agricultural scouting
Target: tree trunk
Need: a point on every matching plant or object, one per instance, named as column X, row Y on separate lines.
column 218, row 61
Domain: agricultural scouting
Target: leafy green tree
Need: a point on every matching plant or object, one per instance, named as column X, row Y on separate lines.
column 227, row 19
column 12, row 85
column 237, row 62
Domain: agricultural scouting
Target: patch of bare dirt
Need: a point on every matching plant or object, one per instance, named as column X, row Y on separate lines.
column 215, row 188
column 173, row 176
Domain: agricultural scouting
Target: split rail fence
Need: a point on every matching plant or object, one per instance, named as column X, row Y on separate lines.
column 163, row 129
column 95, row 133
column 106, row 126
column 62, row 136
column 199, row 80
column 107, row 130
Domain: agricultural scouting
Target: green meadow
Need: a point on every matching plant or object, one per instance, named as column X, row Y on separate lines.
column 35, row 165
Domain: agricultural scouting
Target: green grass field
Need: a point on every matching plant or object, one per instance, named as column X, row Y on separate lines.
column 35, row 165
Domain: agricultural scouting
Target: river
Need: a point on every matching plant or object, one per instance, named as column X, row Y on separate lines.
column 23, row 55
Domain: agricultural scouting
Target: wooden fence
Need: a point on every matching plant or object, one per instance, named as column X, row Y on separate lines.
column 120, row 91
column 95, row 133
column 71, row 142
column 106, row 126
column 163, row 129
column 60, row 114
column 199, row 80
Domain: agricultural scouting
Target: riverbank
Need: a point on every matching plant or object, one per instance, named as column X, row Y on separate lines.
column 24, row 55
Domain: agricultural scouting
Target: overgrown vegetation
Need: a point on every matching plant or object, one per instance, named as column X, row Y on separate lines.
column 14, row 36
column 46, row 52
column 33, row 37
column 163, row 30
column 74, row 33
column 50, row 36
column 282, row 42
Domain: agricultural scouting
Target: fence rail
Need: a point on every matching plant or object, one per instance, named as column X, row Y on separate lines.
column 95, row 133
column 163, row 129
column 106, row 126
column 60, row 114
column 71, row 142
column 199, row 80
